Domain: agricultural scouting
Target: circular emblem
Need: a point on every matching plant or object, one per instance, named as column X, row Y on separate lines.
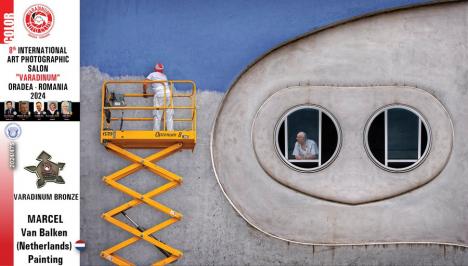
column 12, row 131
column 38, row 20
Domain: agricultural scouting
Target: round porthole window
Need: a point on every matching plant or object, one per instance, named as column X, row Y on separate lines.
column 397, row 138
column 307, row 138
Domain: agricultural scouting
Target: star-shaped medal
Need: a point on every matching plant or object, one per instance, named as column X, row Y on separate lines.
column 46, row 170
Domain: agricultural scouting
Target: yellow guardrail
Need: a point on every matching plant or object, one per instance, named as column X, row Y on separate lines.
column 164, row 107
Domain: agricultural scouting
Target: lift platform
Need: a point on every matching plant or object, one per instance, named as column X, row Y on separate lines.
column 118, row 140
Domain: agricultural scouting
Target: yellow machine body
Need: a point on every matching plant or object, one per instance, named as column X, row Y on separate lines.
column 167, row 143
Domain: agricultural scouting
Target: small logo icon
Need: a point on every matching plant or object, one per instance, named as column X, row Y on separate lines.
column 80, row 245
column 13, row 131
column 46, row 171
column 38, row 20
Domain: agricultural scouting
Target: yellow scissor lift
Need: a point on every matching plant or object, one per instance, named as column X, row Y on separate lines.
column 167, row 143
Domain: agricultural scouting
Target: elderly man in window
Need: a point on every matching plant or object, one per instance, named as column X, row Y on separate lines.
column 305, row 149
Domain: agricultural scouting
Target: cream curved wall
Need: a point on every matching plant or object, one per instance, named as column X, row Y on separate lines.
column 416, row 57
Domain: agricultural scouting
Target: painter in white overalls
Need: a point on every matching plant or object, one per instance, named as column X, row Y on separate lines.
column 158, row 100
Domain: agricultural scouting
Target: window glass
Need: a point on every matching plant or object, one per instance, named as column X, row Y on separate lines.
column 397, row 138
column 329, row 139
column 376, row 138
column 403, row 126
column 307, row 138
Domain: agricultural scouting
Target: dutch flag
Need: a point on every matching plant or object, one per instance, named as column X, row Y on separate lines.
column 80, row 245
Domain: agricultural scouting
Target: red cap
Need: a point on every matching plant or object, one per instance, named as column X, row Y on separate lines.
column 159, row 67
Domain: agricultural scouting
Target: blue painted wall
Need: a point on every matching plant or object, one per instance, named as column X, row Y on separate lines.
column 209, row 41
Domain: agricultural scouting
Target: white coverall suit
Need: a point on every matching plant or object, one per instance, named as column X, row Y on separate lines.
column 158, row 100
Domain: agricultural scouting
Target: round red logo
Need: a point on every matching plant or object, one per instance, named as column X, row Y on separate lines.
column 38, row 20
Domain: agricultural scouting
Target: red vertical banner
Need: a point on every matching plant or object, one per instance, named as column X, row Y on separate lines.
column 7, row 24
column 6, row 205
column 7, row 21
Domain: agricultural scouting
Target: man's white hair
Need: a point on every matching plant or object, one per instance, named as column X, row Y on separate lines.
column 303, row 133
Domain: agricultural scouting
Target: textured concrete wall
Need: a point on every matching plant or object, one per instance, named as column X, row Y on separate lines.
column 212, row 233
column 422, row 48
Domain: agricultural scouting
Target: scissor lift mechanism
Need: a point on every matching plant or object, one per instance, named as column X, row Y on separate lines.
column 169, row 142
